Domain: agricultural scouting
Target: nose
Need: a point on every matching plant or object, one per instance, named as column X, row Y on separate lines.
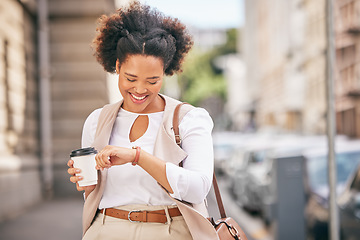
column 140, row 88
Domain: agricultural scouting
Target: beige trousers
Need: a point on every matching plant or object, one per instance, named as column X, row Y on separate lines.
column 109, row 228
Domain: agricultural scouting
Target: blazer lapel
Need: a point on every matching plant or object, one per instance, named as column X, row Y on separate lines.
column 103, row 132
column 105, row 125
column 102, row 136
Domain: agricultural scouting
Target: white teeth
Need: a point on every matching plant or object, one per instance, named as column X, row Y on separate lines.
column 138, row 98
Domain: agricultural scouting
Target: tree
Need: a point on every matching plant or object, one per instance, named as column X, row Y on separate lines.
column 201, row 78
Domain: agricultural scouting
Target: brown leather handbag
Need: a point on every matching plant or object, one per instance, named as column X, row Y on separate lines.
column 226, row 227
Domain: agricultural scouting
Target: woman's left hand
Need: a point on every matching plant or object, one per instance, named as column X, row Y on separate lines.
column 112, row 155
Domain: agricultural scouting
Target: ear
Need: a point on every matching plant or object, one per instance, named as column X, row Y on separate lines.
column 117, row 66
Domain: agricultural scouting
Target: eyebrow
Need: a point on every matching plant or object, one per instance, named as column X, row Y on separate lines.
column 132, row 75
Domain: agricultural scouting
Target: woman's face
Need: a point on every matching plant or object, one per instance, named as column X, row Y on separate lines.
column 140, row 80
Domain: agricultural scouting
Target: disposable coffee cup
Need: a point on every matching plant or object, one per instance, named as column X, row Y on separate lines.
column 84, row 159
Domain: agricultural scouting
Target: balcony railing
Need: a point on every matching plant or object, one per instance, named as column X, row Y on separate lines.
column 353, row 29
column 349, row 18
column 353, row 92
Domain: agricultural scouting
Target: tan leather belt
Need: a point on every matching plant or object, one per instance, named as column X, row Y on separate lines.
column 158, row 216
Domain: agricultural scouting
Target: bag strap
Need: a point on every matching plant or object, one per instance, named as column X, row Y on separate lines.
column 178, row 142
column 218, row 198
column 176, row 123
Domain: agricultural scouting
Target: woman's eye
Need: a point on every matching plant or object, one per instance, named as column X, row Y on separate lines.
column 153, row 83
column 130, row 80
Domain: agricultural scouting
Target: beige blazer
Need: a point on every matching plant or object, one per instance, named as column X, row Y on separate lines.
column 166, row 149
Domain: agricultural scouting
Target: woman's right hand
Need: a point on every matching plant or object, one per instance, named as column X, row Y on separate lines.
column 75, row 179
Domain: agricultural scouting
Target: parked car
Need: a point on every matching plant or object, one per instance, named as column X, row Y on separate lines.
column 316, row 182
column 256, row 179
column 257, row 187
column 224, row 145
column 349, row 205
column 286, row 148
column 260, row 191
column 249, row 160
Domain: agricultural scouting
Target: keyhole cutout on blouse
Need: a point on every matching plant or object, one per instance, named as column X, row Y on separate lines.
column 139, row 127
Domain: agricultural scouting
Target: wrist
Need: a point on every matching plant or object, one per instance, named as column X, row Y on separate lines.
column 136, row 155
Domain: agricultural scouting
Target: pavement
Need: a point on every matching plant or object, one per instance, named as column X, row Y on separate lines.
column 57, row 219
column 60, row 219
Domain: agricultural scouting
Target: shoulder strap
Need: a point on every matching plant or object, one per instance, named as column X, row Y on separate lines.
column 218, row 198
column 178, row 142
column 176, row 123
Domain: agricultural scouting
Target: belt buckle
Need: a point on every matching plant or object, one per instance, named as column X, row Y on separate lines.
column 132, row 211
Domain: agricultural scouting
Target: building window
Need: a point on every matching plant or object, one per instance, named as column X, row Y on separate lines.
column 293, row 121
column 347, row 16
column 347, row 122
column 346, row 61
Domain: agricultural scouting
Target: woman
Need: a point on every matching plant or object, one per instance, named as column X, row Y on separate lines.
column 138, row 158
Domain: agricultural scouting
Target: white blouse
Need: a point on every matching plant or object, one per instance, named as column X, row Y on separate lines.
column 127, row 184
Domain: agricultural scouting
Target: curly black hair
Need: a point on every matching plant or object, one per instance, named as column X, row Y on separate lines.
column 137, row 29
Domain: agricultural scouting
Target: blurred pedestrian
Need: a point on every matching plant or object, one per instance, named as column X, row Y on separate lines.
column 140, row 158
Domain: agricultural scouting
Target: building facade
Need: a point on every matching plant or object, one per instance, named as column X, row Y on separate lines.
column 78, row 82
column 274, row 57
column 20, row 175
column 77, row 85
column 314, row 111
column 286, row 52
column 348, row 68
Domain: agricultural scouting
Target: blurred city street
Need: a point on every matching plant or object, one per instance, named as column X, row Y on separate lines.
column 277, row 206
column 279, row 79
column 57, row 219
column 61, row 219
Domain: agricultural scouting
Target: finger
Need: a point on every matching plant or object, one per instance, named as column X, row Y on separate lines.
column 98, row 159
column 105, row 158
column 106, row 162
column 102, row 159
column 75, row 179
column 70, row 163
column 98, row 165
column 73, row 171
column 108, row 153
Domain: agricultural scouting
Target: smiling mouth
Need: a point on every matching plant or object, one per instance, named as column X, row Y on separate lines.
column 138, row 98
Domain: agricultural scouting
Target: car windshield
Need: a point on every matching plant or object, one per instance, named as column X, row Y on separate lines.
column 258, row 157
column 223, row 149
column 317, row 168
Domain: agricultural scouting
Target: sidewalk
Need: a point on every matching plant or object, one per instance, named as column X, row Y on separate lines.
column 57, row 219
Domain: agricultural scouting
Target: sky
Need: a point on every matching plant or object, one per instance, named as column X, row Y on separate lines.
column 203, row 13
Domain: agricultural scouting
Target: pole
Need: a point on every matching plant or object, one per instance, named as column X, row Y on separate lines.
column 331, row 129
column 45, row 100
